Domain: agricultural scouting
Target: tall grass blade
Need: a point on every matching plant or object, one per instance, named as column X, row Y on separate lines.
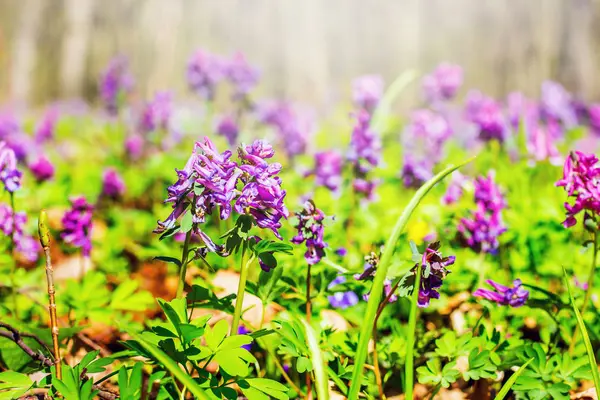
column 390, row 95
column 511, row 381
column 382, row 270
column 586, row 338
column 321, row 380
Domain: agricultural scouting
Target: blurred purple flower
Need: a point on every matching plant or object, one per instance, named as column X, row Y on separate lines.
column 113, row 185
column 157, row 112
column 556, row 104
column 416, row 172
column 341, row 300
column 581, row 180
column 594, row 117
column 488, row 193
column 42, row 169
column 10, row 176
column 541, row 143
column 115, row 83
column 228, row 128
column 328, row 169
column 443, row 82
column 455, row 189
column 293, row 128
column 433, row 272
column 134, row 146
column 364, row 154
column 341, row 251
column 44, row 131
column 204, row 72
column 490, row 121
column 77, row 225
column 367, row 91
column 25, row 244
column 242, row 330
column 310, row 231
column 242, row 75
column 515, row 296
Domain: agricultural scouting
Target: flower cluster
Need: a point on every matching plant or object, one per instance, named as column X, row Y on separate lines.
column 433, row 272
column 443, row 83
column 14, row 137
column 581, row 180
column 13, row 225
column 328, row 170
column 423, row 142
column 115, row 82
column 113, row 185
column 364, row 154
column 156, row 114
column 341, row 300
column 10, row 176
column 310, row 231
column 209, row 181
column 293, row 126
column 481, row 230
column 487, row 115
column 77, row 225
column 205, row 71
column 367, row 91
column 515, row 296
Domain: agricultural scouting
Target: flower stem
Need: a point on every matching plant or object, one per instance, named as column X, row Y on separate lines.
column 11, row 249
column 184, row 262
column 588, row 292
column 239, row 300
column 410, row 342
column 308, row 315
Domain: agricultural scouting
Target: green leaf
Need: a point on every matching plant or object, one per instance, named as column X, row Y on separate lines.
column 13, row 385
column 586, row 338
column 234, row 342
column 215, row 335
column 186, row 223
column 171, row 260
column 321, row 379
column 235, row 361
column 377, row 290
column 172, row 367
column 511, row 381
column 190, row 332
column 272, row 388
column 303, row 364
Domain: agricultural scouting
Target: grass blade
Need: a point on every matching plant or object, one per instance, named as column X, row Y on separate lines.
column 173, row 368
column 511, row 381
column 380, row 275
column 586, row 339
column 321, row 380
column 390, row 95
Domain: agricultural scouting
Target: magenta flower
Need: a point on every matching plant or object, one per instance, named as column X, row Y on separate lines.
column 204, row 72
column 328, row 169
column 42, row 169
column 157, row 112
column 443, row 82
column 415, row 172
column 242, row 75
column 489, row 119
column 581, row 177
column 556, row 104
column 44, row 131
column 134, row 146
column 488, row 193
column 455, row 189
column 10, row 176
column 367, row 91
column 294, row 128
column 113, row 185
column 541, row 143
column 77, row 225
column 228, row 128
column 594, row 117
column 514, row 296
column 115, row 83
column 310, row 231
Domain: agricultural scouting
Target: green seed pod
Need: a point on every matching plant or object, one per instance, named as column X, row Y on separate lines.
column 43, row 230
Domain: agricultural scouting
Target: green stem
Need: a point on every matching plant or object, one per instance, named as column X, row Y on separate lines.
column 380, row 276
column 588, row 292
column 11, row 249
column 184, row 262
column 410, row 341
column 239, row 300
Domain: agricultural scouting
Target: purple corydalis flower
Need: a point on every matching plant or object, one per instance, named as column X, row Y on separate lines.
column 514, row 296
column 416, row 172
column 293, row 127
column 157, row 112
column 113, row 185
column 25, row 244
column 242, row 330
column 555, row 103
column 455, row 189
column 341, row 300
column 594, row 117
column 310, row 231
column 581, row 180
column 367, row 91
column 433, row 272
column 341, row 251
column 489, row 119
column 9, row 174
column 42, row 169
column 541, row 143
column 115, row 83
column 242, row 75
column 328, row 169
column 365, row 144
column 77, row 225
column 370, row 268
column 204, row 72
column 228, row 128
column 488, row 193
column 443, row 82
column 44, row 131
column 134, row 146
